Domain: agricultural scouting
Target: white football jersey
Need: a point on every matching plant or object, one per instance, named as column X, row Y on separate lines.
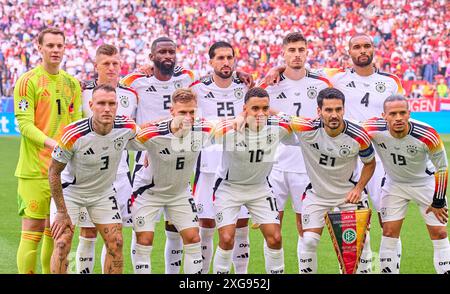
column 155, row 95
column 295, row 98
column 127, row 100
column 248, row 157
column 414, row 158
column 329, row 161
column 172, row 158
column 217, row 103
column 92, row 159
column 364, row 96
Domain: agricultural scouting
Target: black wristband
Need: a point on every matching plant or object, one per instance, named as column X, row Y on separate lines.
column 439, row 203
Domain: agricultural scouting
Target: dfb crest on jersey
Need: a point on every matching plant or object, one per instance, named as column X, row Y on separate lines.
column 118, row 143
column 124, row 101
column 177, row 84
column 57, row 151
column 311, row 92
column 380, row 87
column 140, row 221
column 305, row 218
column 271, row 138
column 196, row 144
column 344, row 150
column 82, row 217
column 219, row 217
column 411, row 149
column 23, row 104
column 238, row 93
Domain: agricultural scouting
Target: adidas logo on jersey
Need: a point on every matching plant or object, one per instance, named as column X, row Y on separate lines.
column 89, row 152
column 241, row 144
column 165, row 151
column 151, row 89
column 382, row 145
column 281, row 96
column 176, row 263
column 117, row 216
column 315, row 145
column 209, row 95
column 85, row 271
column 351, row 84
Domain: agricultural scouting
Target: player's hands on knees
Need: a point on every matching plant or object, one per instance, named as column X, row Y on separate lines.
column 440, row 213
column 354, row 196
column 61, row 223
column 146, row 69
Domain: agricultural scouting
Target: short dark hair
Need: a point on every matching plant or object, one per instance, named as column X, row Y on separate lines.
column 294, row 37
column 359, row 35
column 217, row 45
column 255, row 92
column 183, row 96
column 329, row 93
column 54, row 31
column 395, row 97
column 105, row 87
column 106, row 49
column 159, row 40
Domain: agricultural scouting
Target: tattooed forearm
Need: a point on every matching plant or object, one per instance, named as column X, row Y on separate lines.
column 54, row 177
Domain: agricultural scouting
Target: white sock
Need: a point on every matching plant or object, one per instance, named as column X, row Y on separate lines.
column 441, row 256
column 241, row 251
column 85, row 255
column 274, row 261
column 102, row 258
column 265, row 247
column 222, row 261
column 193, row 261
column 308, row 253
column 133, row 247
column 388, row 255
column 206, row 235
column 399, row 252
column 142, row 259
column 299, row 246
column 365, row 260
column 173, row 252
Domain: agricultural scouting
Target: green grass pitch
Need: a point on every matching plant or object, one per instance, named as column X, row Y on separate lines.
column 417, row 247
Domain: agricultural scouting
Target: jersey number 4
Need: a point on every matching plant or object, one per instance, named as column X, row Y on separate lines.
column 365, row 100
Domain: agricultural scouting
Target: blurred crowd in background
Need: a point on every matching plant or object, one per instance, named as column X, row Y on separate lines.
column 411, row 37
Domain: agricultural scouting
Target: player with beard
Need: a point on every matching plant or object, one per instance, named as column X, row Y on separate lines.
column 154, row 104
column 155, row 88
column 220, row 95
column 295, row 94
column 365, row 88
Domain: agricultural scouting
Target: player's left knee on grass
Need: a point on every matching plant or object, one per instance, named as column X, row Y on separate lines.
column 438, row 234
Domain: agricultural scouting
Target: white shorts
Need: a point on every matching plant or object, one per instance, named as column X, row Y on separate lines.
column 104, row 210
column 203, row 195
column 180, row 210
column 259, row 200
column 122, row 185
column 284, row 184
column 396, row 197
column 315, row 208
column 373, row 187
